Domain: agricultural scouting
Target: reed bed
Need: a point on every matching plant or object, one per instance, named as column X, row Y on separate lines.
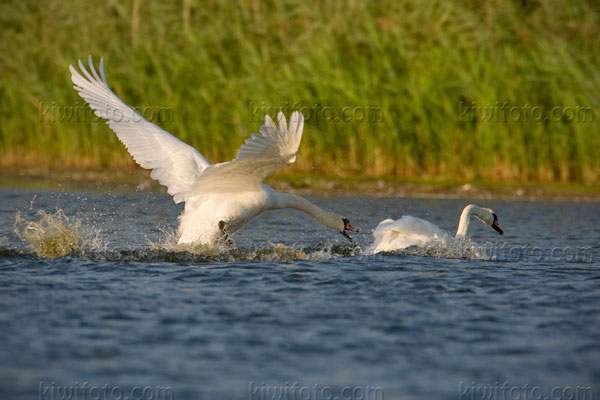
column 486, row 90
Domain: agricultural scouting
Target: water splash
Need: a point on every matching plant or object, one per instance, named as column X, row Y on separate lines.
column 221, row 252
column 169, row 244
column 55, row 234
column 450, row 248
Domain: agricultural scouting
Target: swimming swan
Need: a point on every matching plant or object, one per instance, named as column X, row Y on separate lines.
column 218, row 198
column 408, row 231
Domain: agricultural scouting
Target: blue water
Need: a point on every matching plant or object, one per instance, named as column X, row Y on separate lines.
column 126, row 308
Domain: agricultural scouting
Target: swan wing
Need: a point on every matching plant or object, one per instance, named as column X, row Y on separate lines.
column 274, row 147
column 260, row 155
column 174, row 163
column 407, row 231
column 417, row 228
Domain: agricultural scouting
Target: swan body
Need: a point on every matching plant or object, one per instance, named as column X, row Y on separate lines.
column 219, row 198
column 409, row 231
column 206, row 218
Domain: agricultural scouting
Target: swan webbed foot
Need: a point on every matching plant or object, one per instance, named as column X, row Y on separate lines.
column 226, row 237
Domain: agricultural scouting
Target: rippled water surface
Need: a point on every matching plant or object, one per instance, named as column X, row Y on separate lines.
column 294, row 303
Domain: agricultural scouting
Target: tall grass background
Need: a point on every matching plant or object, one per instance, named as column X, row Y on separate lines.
column 218, row 65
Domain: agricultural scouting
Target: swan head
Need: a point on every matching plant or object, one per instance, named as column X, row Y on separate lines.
column 340, row 224
column 347, row 227
column 488, row 217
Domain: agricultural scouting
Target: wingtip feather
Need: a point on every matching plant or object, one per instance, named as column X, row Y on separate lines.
column 296, row 123
column 282, row 122
column 102, row 70
column 92, row 68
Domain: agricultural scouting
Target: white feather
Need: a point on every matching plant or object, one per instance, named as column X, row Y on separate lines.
column 277, row 146
column 257, row 157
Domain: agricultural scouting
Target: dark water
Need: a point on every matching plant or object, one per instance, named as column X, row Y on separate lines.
column 308, row 315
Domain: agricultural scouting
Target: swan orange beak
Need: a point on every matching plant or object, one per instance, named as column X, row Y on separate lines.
column 496, row 226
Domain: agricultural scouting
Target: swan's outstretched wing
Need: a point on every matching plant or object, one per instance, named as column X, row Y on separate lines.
column 258, row 157
column 174, row 163
column 275, row 147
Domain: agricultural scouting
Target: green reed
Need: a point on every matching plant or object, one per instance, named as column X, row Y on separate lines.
column 489, row 90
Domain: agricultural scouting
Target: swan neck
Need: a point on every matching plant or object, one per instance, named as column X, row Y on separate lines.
column 288, row 200
column 464, row 222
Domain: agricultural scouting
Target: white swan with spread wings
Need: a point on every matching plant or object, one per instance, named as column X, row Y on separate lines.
column 218, row 198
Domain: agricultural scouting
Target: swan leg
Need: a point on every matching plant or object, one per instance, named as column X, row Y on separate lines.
column 226, row 238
